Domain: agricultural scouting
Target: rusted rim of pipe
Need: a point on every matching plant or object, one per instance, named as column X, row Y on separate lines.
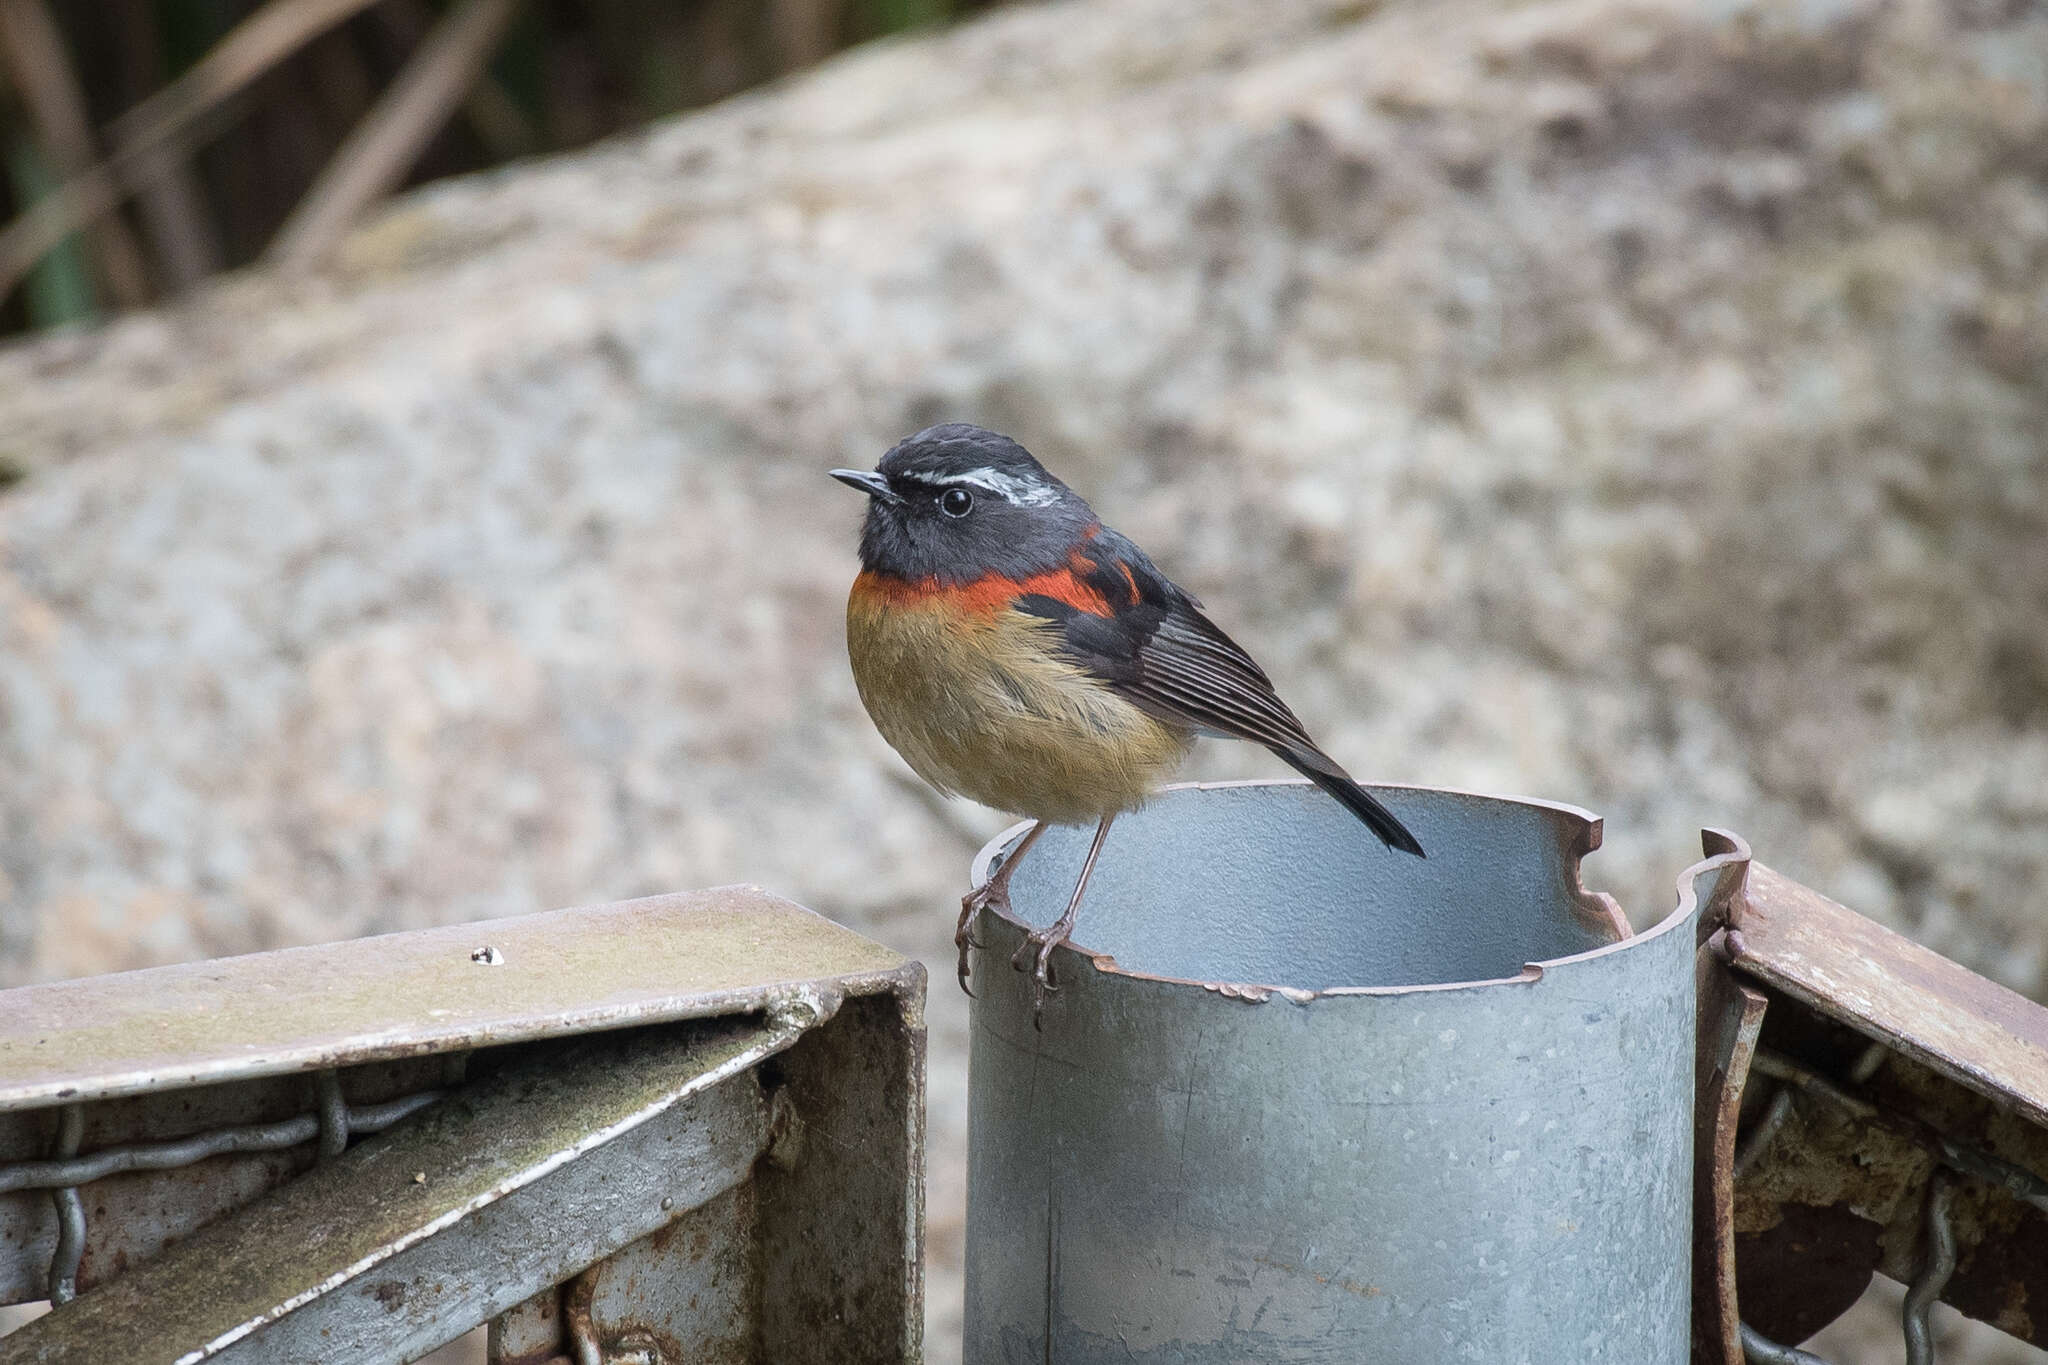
column 1581, row 829
column 1727, row 864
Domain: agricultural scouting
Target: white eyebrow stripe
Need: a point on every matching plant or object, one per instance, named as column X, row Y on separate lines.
column 1019, row 492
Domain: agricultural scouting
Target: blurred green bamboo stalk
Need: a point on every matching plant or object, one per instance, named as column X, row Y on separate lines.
column 267, row 139
column 33, row 47
column 59, row 289
column 388, row 141
column 252, row 48
column 894, row 16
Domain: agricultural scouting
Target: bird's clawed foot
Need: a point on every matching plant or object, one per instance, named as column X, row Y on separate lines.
column 1035, row 953
column 994, row 893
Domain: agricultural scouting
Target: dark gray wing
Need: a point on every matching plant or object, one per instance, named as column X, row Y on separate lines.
column 1156, row 647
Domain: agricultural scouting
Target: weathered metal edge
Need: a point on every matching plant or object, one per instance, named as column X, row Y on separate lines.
column 360, row 1212
column 910, row 1006
column 1728, row 1017
column 1728, row 858
column 1745, row 958
column 904, row 977
column 1586, row 828
column 777, row 1035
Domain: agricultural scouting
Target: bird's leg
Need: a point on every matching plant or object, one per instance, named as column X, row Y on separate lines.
column 995, row 891
column 1043, row 941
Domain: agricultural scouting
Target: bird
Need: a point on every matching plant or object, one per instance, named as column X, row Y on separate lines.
column 1015, row 650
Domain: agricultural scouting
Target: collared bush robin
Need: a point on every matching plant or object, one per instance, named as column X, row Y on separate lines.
column 1017, row 651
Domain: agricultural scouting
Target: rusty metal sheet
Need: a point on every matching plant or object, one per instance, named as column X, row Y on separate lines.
column 1803, row 1253
column 529, row 1333
column 402, row 1243
column 1993, row 1040
column 684, row 1293
column 1883, row 1075
column 691, row 955
column 1729, row 1016
column 2002, row 1275
column 1839, row 1190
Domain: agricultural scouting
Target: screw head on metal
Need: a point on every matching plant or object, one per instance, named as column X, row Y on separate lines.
column 487, row 956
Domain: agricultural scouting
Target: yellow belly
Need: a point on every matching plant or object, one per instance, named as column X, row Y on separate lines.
column 982, row 706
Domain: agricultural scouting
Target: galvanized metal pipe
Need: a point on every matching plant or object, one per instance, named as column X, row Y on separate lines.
column 1301, row 1100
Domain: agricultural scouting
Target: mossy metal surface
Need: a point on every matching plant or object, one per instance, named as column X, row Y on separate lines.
column 593, row 1151
column 546, row 975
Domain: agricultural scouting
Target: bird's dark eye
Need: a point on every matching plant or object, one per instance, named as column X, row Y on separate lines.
column 956, row 502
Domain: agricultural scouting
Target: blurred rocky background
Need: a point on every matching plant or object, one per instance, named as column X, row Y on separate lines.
column 1638, row 403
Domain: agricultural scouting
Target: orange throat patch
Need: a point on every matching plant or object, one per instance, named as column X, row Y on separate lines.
column 985, row 596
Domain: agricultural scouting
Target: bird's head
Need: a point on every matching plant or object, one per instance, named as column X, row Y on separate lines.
column 955, row 503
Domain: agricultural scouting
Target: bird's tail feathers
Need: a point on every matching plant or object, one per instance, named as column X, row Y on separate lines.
column 1319, row 769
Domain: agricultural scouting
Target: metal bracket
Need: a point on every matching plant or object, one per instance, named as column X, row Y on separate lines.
column 517, row 1157
column 1892, row 1110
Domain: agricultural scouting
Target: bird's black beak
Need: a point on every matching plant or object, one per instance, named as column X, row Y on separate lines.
column 868, row 482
